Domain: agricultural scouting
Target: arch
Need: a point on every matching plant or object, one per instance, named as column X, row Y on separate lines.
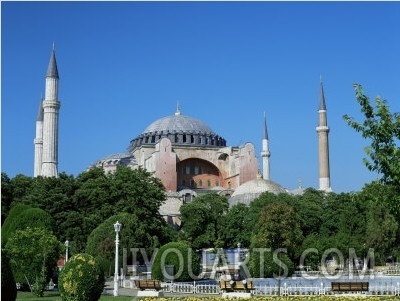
column 198, row 174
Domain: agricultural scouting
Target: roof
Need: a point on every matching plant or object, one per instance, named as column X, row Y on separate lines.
column 251, row 190
column 178, row 123
column 52, row 70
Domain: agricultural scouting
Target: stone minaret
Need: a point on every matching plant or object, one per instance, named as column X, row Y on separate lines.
column 51, row 106
column 265, row 154
column 323, row 145
column 38, row 141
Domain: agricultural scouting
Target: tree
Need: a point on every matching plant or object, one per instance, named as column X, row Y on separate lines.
column 34, row 253
column 383, row 129
column 23, row 216
column 185, row 262
column 6, row 196
column 8, row 285
column 235, row 229
column 134, row 234
column 202, row 220
column 309, row 208
column 278, row 227
column 382, row 231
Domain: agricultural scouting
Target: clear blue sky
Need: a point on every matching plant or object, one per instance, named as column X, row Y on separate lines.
column 122, row 65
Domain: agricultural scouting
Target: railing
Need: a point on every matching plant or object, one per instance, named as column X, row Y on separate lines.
column 269, row 290
column 261, row 290
column 189, row 288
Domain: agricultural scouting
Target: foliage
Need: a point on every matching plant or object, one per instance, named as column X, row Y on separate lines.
column 8, row 286
column 32, row 250
column 81, row 279
column 383, row 129
column 382, row 219
column 22, row 216
column 268, row 263
column 11, row 222
column 79, row 205
column 134, row 234
column 6, row 196
column 235, row 227
column 202, row 220
column 184, row 260
column 278, row 227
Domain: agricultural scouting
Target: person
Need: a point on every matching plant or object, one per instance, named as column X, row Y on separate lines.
column 225, row 276
column 237, row 276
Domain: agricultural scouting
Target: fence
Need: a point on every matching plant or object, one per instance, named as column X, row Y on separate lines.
column 269, row 290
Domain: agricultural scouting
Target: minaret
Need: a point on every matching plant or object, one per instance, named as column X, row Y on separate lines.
column 265, row 154
column 323, row 145
column 51, row 106
column 38, row 141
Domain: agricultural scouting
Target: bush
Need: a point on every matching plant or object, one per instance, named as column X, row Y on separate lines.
column 8, row 286
column 185, row 262
column 81, row 279
column 264, row 265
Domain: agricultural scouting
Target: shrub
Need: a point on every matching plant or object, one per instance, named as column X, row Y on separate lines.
column 264, row 265
column 81, row 279
column 8, row 286
column 185, row 262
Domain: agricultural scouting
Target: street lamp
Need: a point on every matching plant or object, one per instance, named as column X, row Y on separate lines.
column 117, row 228
column 66, row 250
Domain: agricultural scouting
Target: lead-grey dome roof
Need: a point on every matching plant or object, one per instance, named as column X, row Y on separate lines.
column 178, row 123
column 180, row 130
column 251, row 190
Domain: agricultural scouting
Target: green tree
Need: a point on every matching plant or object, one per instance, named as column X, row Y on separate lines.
column 23, row 216
column 382, row 223
column 185, row 262
column 6, row 196
column 134, row 234
column 32, row 251
column 21, row 186
column 236, row 228
column 202, row 220
column 8, row 285
column 309, row 208
column 383, row 129
column 278, row 227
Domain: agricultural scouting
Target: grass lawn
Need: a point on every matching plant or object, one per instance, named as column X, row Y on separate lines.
column 55, row 296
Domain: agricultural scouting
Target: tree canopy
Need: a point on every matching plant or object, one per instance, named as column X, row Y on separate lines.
column 382, row 128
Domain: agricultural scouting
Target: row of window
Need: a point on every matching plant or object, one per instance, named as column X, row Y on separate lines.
column 199, row 184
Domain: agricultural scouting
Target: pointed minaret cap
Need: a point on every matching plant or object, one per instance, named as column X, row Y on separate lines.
column 40, row 112
column 265, row 128
column 52, row 70
column 178, row 111
column 322, row 106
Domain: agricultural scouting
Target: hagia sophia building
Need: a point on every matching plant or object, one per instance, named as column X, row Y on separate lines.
column 183, row 152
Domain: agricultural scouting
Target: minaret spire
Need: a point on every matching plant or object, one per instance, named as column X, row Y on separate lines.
column 323, row 145
column 265, row 154
column 178, row 111
column 38, row 141
column 51, row 107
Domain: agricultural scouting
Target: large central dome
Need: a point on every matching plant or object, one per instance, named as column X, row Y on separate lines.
column 178, row 123
column 180, row 130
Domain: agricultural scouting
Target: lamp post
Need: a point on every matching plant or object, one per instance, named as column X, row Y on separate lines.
column 66, row 250
column 117, row 228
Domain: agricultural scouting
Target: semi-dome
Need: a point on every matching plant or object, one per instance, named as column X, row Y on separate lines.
column 181, row 130
column 251, row 190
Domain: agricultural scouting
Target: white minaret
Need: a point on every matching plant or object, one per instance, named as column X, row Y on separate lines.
column 323, row 145
column 51, row 106
column 265, row 154
column 38, row 141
